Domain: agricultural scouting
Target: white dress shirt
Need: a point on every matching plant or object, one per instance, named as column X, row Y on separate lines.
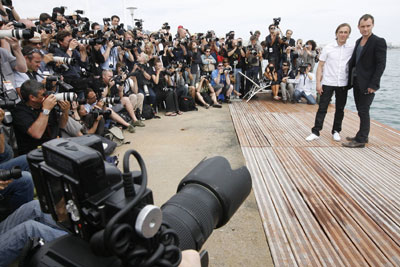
column 335, row 71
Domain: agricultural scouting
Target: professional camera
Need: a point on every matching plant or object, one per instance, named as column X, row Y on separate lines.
column 166, row 26
column 111, row 214
column 6, row 2
column 111, row 100
column 17, row 33
column 70, row 96
column 139, row 23
column 277, row 21
column 64, row 60
column 239, row 44
column 303, row 68
column 91, row 42
column 97, row 112
column 228, row 69
column 206, row 76
column 7, row 104
column 106, row 21
column 14, row 173
column 252, row 50
column 61, row 85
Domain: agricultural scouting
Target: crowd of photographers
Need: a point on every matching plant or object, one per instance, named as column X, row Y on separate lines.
column 66, row 76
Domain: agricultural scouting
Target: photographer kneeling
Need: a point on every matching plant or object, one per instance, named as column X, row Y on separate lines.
column 35, row 120
column 221, row 82
column 304, row 85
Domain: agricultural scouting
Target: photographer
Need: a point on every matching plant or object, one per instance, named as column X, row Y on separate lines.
column 208, row 61
column 93, row 104
column 69, row 48
column 35, row 120
column 272, row 75
column 27, row 222
column 142, row 72
column 93, row 122
column 205, row 93
column 304, row 80
column 287, row 47
column 164, row 92
column 221, row 82
column 236, row 57
column 33, row 58
column 13, row 192
column 307, row 54
column 10, row 63
column 7, row 7
column 274, row 43
column 110, row 54
column 253, row 56
column 114, row 88
column 285, row 75
column 195, row 61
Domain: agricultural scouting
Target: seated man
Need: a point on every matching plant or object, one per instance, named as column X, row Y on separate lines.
column 13, row 192
column 92, row 103
column 35, row 120
column 93, row 122
column 285, row 75
column 221, row 82
column 115, row 90
column 27, row 222
column 303, row 87
column 205, row 93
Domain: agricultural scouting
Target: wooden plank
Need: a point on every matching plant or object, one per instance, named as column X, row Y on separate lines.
column 279, row 245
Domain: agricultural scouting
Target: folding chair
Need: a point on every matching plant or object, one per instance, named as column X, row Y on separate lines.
column 262, row 86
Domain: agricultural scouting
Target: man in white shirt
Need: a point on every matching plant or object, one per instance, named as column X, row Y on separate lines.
column 304, row 80
column 332, row 77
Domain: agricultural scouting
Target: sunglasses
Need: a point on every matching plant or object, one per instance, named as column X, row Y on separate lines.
column 35, row 50
column 220, row 66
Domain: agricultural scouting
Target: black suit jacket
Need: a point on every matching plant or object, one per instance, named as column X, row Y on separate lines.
column 371, row 64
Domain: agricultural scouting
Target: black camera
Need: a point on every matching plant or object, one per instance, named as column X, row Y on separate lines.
column 17, row 33
column 166, row 26
column 6, row 2
column 111, row 214
column 14, row 173
column 139, row 24
column 303, row 68
column 97, row 112
column 277, row 21
column 106, row 21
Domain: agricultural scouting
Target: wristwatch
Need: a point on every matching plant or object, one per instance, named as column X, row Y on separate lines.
column 46, row 112
column 70, row 49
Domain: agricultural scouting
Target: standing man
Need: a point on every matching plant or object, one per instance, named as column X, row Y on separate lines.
column 366, row 67
column 332, row 77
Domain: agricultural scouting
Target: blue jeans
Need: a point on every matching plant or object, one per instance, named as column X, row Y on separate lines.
column 20, row 190
column 151, row 98
column 298, row 95
column 26, row 222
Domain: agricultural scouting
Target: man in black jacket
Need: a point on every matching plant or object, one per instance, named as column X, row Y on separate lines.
column 366, row 67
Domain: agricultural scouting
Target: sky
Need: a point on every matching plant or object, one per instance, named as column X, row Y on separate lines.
column 311, row 19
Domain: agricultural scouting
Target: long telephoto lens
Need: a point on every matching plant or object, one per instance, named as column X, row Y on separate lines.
column 17, row 33
column 14, row 173
column 207, row 198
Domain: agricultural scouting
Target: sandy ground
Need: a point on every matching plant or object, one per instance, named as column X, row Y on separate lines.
column 171, row 147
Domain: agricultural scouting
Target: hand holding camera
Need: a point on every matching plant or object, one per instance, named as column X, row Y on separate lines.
column 49, row 102
column 64, row 106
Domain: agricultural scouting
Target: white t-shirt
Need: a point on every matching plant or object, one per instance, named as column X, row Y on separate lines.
column 304, row 83
column 335, row 71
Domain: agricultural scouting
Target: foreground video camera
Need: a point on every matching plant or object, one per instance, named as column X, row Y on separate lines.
column 114, row 212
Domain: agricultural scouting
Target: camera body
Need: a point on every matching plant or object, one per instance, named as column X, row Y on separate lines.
column 303, row 68
column 276, row 21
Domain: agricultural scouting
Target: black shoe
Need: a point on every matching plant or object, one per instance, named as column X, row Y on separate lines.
column 353, row 144
column 348, row 138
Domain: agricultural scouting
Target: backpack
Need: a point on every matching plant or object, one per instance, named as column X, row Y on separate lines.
column 148, row 112
column 186, row 103
column 115, row 134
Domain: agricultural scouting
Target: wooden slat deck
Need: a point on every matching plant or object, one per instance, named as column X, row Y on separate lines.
column 321, row 204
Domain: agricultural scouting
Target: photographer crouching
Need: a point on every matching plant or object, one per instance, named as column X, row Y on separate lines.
column 35, row 120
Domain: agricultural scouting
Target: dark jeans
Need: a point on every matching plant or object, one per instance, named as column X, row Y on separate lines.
column 363, row 103
column 252, row 73
column 324, row 100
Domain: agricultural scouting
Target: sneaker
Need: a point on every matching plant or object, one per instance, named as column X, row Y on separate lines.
column 138, row 123
column 336, row 136
column 312, row 137
column 131, row 128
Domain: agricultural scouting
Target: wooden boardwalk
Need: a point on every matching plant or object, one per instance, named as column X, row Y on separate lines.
column 321, row 204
